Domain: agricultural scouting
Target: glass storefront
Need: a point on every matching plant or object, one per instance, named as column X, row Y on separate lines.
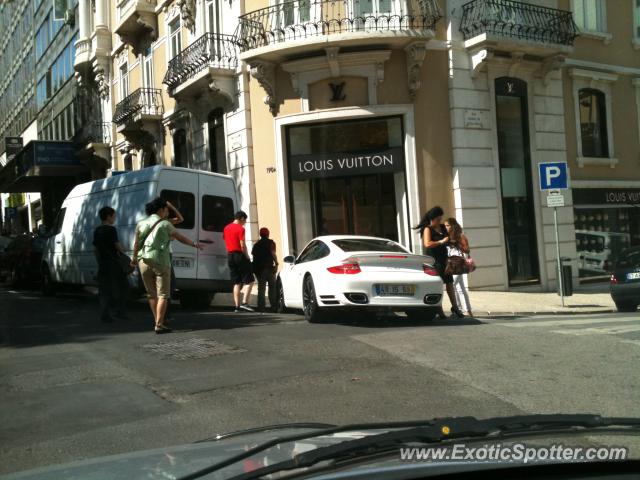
column 606, row 222
column 346, row 177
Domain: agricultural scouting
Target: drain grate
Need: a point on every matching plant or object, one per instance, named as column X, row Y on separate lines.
column 192, row 348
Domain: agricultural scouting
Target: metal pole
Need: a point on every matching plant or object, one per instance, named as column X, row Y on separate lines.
column 560, row 283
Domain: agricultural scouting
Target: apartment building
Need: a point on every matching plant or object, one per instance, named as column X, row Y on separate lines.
column 38, row 107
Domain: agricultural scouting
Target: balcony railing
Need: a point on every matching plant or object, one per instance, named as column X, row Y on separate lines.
column 301, row 19
column 210, row 50
column 523, row 21
column 144, row 101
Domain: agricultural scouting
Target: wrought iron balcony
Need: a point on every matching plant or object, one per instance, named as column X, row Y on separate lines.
column 517, row 20
column 142, row 102
column 305, row 19
column 212, row 50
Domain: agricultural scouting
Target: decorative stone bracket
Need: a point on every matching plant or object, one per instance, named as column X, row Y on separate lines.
column 549, row 65
column 265, row 73
column 415, row 57
column 188, row 14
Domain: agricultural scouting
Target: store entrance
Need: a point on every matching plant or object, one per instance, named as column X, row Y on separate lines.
column 362, row 205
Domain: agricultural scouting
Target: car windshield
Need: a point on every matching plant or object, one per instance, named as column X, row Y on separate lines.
column 368, row 245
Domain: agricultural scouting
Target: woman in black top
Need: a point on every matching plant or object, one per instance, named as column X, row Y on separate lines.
column 434, row 238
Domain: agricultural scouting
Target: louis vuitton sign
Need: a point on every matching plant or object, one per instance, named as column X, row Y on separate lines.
column 303, row 167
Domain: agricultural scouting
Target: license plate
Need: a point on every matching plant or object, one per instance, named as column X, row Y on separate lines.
column 633, row 276
column 182, row 263
column 395, row 290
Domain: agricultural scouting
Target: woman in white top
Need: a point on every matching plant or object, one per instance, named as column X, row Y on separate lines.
column 458, row 245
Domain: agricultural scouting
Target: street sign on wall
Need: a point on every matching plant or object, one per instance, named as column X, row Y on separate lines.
column 553, row 175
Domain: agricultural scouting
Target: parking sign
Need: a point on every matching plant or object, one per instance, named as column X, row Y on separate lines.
column 553, row 175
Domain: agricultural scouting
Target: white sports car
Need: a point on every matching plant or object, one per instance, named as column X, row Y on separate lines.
column 346, row 271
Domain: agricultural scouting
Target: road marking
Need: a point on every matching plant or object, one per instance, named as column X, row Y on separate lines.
column 562, row 323
column 599, row 331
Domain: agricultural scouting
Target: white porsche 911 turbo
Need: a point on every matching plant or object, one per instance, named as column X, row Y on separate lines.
column 333, row 273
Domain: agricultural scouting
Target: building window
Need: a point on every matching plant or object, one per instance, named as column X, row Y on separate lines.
column 124, row 81
column 217, row 150
column 593, row 123
column 589, row 15
column 214, row 17
column 147, row 72
column 175, row 42
column 180, row 158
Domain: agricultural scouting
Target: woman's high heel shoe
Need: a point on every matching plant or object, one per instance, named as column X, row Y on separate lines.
column 457, row 312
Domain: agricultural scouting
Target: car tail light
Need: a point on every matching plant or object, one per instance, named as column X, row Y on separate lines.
column 429, row 270
column 345, row 269
column 614, row 280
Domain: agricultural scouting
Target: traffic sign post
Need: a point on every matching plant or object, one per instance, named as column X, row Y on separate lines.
column 554, row 178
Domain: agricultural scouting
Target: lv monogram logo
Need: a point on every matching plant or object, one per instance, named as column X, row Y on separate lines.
column 510, row 86
column 337, row 92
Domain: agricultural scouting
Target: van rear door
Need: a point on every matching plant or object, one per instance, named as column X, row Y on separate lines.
column 181, row 189
column 217, row 206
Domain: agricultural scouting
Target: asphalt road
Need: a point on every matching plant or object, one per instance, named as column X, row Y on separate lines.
column 73, row 388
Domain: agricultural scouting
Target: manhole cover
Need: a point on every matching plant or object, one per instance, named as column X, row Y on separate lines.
column 192, row 348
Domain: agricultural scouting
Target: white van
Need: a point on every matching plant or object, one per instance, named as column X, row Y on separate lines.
column 206, row 200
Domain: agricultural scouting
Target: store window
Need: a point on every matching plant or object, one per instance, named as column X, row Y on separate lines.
column 606, row 222
column 217, row 149
column 589, row 15
column 636, row 19
column 346, row 178
column 593, row 123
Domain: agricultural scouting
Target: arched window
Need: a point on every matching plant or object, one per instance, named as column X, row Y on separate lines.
column 180, row 149
column 217, row 149
column 593, row 123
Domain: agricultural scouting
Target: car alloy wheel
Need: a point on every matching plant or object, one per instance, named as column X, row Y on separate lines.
column 312, row 312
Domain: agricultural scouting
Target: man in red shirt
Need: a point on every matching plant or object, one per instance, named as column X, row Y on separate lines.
column 239, row 261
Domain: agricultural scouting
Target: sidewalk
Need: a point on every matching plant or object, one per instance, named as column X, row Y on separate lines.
column 590, row 299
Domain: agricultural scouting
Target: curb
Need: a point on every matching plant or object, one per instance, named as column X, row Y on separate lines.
column 552, row 312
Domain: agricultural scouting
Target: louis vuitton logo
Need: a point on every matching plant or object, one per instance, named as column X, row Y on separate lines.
column 337, row 92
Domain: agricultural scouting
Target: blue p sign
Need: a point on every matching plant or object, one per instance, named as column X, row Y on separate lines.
column 553, row 175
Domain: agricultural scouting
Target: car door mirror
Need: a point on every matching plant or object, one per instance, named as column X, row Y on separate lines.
column 289, row 259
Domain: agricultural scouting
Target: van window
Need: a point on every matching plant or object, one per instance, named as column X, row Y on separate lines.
column 217, row 213
column 186, row 203
column 57, row 223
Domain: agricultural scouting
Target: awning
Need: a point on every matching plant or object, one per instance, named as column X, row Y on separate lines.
column 38, row 164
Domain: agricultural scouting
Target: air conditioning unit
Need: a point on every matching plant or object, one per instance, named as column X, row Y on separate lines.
column 69, row 17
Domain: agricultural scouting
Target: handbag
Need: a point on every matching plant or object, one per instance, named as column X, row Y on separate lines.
column 456, row 265
column 124, row 262
column 470, row 264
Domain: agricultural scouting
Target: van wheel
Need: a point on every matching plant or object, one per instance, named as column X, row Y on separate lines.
column 47, row 286
column 16, row 278
column 626, row 306
column 191, row 300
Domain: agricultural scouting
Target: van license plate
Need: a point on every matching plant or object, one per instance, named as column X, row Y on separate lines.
column 182, row 263
column 633, row 276
column 385, row 290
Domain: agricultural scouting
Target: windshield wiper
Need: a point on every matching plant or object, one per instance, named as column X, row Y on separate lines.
column 424, row 432
column 268, row 428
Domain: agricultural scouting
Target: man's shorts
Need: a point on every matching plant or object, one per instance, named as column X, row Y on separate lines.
column 240, row 269
column 157, row 280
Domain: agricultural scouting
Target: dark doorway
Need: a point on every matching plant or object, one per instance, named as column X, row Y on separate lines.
column 516, row 181
column 180, row 158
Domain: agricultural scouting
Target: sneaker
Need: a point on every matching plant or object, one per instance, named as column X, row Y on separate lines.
column 246, row 308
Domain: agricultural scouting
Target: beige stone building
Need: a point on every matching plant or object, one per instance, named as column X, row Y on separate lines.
column 356, row 116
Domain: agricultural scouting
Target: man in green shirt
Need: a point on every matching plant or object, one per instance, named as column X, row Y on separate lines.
column 152, row 254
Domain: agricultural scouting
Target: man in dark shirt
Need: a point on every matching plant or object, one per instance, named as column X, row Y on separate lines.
column 112, row 280
column 265, row 266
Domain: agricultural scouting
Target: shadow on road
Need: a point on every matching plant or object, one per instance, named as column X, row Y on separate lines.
column 396, row 321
